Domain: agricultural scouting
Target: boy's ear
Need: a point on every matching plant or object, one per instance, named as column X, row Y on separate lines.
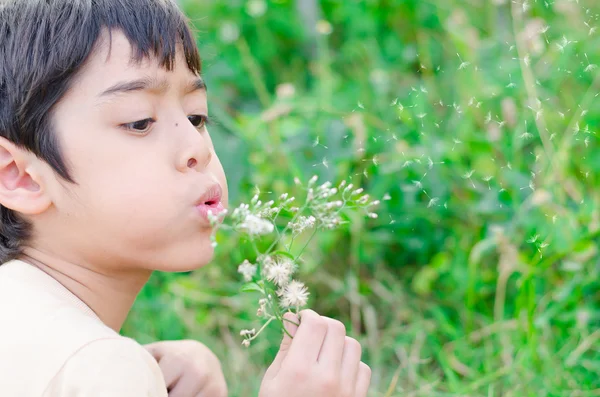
column 21, row 185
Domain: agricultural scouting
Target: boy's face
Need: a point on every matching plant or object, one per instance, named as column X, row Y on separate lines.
column 138, row 181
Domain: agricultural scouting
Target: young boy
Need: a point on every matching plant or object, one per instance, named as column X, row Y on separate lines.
column 107, row 172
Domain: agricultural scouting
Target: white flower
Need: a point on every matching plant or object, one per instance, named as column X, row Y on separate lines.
column 295, row 294
column 256, row 226
column 247, row 269
column 279, row 271
column 246, row 343
column 302, row 223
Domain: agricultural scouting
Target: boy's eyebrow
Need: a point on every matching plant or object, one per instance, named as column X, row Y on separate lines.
column 149, row 84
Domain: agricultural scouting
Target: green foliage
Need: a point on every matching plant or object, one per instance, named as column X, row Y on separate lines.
column 432, row 107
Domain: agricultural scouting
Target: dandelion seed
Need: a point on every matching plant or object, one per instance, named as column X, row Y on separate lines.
column 433, row 202
column 533, row 239
column 586, row 141
column 468, row 176
column 394, row 102
column 590, row 66
column 488, row 179
column 360, row 105
column 526, row 135
column 463, row 64
column 317, row 143
column 543, row 245
column 456, row 142
column 294, row 295
column 552, row 136
column 511, row 84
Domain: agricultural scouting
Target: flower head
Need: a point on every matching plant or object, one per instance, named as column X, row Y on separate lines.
column 255, row 225
column 279, row 271
column 247, row 269
column 294, row 294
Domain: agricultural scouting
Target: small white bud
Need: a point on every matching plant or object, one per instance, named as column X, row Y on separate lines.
column 246, row 343
column 313, row 180
column 343, row 184
column 373, row 215
column 283, row 196
column 357, row 191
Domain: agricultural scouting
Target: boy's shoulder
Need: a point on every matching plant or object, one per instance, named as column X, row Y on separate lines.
column 46, row 331
column 116, row 367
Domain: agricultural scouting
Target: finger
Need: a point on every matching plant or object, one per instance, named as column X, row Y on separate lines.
column 186, row 386
column 332, row 351
column 350, row 360
column 171, row 369
column 363, row 380
column 309, row 338
column 155, row 350
column 285, row 343
column 213, row 389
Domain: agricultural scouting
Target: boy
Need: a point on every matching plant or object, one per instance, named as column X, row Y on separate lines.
column 107, row 172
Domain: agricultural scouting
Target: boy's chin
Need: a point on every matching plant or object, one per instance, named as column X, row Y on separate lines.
column 190, row 262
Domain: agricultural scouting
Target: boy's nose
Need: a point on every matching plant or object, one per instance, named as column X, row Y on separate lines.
column 198, row 153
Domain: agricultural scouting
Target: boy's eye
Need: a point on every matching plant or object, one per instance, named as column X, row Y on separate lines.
column 140, row 126
column 198, row 121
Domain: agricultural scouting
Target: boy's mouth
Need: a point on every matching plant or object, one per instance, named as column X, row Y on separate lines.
column 210, row 201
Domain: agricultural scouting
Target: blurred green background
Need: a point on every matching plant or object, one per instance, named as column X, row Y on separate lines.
column 475, row 122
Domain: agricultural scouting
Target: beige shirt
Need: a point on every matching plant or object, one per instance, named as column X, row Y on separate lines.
column 53, row 345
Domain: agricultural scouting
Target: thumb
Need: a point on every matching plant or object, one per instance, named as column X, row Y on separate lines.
column 286, row 342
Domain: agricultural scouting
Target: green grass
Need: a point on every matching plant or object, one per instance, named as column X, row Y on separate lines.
column 450, row 297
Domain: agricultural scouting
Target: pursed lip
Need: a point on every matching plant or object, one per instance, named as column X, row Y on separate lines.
column 211, row 197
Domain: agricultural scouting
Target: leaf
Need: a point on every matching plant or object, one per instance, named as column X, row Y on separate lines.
column 251, row 287
column 284, row 253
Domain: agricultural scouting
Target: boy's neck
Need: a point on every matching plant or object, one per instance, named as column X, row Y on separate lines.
column 108, row 294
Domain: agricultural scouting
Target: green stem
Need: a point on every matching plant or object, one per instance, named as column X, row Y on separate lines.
column 262, row 328
column 306, row 245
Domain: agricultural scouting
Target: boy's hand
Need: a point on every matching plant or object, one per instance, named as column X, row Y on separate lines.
column 321, row 361
column 190, row 369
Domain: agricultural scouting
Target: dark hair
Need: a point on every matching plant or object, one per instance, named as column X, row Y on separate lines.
column 43, row 46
